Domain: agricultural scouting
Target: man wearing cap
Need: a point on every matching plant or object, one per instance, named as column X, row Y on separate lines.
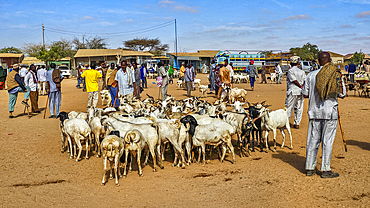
column 92, row 86
column 252, row 73
column 14, row 83
column 294, row 97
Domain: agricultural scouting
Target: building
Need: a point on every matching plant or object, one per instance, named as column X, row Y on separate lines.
column 7, row 59
column 32, row 60
column 98, row 56
column 196, row 58
column 336, row 58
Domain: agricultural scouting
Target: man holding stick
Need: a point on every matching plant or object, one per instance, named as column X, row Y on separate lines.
column 322, row 87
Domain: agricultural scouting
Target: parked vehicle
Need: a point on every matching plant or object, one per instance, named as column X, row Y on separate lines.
column 66, row 72
column 306, row 65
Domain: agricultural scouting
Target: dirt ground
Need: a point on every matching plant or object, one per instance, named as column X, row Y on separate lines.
column 34, row 173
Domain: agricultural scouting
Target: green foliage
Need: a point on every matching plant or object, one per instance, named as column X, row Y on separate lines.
column 144, row 44
column 10, row 50
column 55, row 53
column 65, row 47
column 357, row 58
column 307, row 52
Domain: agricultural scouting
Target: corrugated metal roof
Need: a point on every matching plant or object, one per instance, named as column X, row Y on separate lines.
column 200, row 53
column 31, row 60
column 332, row 54
column 108, row 52
column 11, row 55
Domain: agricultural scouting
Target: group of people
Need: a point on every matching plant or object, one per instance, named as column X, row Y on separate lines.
column 33, row 82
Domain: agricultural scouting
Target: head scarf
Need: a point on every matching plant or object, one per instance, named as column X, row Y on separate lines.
column 328, row 81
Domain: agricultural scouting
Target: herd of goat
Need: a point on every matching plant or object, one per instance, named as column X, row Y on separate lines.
column 188, row 125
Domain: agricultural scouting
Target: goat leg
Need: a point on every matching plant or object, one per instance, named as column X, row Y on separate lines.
column 105, row 172
column 202, row 149
column 116, row 160
column 125, row 165
column 138, row 162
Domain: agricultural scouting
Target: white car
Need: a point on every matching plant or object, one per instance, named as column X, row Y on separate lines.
column 66, row 72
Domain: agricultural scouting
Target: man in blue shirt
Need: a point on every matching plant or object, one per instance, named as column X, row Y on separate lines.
column 351, row 71
column 54, row 93
column 126, row 82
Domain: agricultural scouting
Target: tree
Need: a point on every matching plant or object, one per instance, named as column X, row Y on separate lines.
column 144, row 44
column 55, row 53
column 10, row 50
column 357, row 58
column 308, row 52
column 65, row 47
column 90, row 43
column 32, row 49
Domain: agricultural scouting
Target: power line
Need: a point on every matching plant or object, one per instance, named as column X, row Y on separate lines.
column 21, row 27
column 114, row 33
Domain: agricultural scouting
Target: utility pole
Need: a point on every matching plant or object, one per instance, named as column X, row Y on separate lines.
column 43, row 35
column 177, row 63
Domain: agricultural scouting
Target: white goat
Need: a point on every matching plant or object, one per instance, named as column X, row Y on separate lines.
column 203, row 90
column 179, row 84
column 79, row 130
column 134, row 142
column 105, row 97
column 112, row 149
column 277, row 119
column 236, row 93
column 97, row 130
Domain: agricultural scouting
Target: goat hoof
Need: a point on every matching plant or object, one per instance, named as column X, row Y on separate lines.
column 154, row 170
column 97, row 156
column 183, row 167
column 129, row 171
column 266, row 151
column 62, row 151
column 86, row 158
column 111, row 178
column 125, row 176
column 187, row 164
column 141, row 175
column 274, row 150
column 173, row 165
column 102, row 184
column 117, row 184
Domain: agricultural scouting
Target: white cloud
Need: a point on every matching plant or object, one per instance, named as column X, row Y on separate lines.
column 346, row 26
column 49, row 12
column 106, row 24
column 272, row 37
column 173, row 5
column 87, row 18
column 281, row 4
column 364, row 14
column 356, row 1
column 362, row 38
column 298, row 17
column 128, row 20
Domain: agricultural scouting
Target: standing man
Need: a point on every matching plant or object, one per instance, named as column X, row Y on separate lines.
column 230, row 68
column 278, row 72
column 79, row 79
column 224, row 78
column 182, row 73
column 22, row 73
column 351, row 71
column 188, row 80
column 54, row 90
column 14, row 83
column 41, row 77
column 193, row 72
column 104, row 74
column 294, row 98
column 137, row 73
column 91, row 77
column 322, row 87
column 163, row 73
column 263, row 73
column 30, row 81
column 252, row 73
column 170, row 74
column 126, row 82
column 144, row 75
column 112, row 84
column 211, row 76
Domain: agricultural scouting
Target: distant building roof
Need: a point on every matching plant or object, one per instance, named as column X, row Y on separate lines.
column 349, row 56
column 31, row 60
column 200, row 53
column 109, row 52
column 11, row 55
column 161, row 57
column 332, row 54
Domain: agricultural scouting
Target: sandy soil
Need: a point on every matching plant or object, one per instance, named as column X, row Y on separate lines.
column 35, row 174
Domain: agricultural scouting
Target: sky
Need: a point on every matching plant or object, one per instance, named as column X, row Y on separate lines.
column 341, row 26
